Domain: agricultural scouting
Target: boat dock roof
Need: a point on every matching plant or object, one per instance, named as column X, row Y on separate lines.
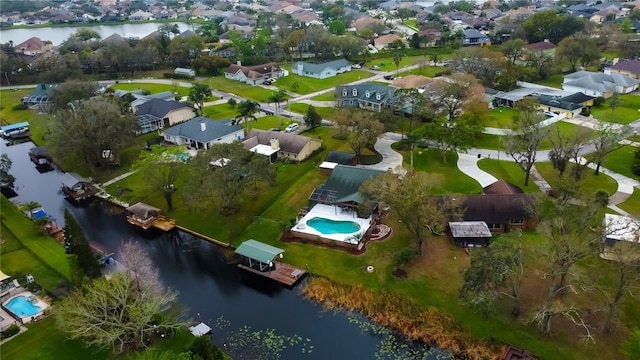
column 15, row 126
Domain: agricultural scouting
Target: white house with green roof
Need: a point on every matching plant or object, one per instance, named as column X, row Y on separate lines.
column 321, row 70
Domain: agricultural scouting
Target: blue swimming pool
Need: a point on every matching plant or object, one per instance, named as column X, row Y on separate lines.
column 20, row 306
column 327, row 226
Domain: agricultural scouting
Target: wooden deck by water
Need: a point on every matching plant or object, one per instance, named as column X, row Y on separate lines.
column 217, row 242
column 284, row 273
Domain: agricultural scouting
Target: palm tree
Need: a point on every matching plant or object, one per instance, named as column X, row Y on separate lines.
column 277, row 98
column 397, row 58
column 29, row 207
column 198, row 93
column 246, row 111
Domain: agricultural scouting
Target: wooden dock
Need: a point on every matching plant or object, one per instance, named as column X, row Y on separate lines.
column 205, row 237
column 163, row 224
column 283, row 273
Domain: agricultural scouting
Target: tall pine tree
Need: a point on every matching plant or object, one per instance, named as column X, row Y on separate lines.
column 84, row 264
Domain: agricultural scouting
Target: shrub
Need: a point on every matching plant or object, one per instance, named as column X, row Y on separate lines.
column 202, row 348
column 232, row 103
column 176, row 76
column 597, row 102
column 10, row 331
column 586, row 111
column 635, row 167
column 21, row 106
column 601, row 198
column 631, row 347
column 403, row 257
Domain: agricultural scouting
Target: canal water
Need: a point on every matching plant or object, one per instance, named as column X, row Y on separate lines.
column 216, row 292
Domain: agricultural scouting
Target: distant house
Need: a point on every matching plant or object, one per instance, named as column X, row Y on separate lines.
column 364, row 22
column 475, row 38
column 32, row 46
column 139, row 98
column 202, row 132
column 599, row 84
column 256, row 74
column 140, row 16
column 321, row 70
column 545, row 47
column 570, row 105
column 292, row 146
column 432, row 34
column 165, row 113
column 335, row 158
column 40, row 96
column 607, row 14
column 630, row 68
column 369, row 96
column 185, row 71
column 384, row 41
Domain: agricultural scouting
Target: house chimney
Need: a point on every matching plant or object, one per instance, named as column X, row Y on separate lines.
column 275, row 143
column 239, row 62
column 203, row 126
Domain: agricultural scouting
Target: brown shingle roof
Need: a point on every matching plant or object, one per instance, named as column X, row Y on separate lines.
column 497, row 209
column 31, row 44
column 411, row 81
column 632, row 66
column 542, row 45
column 255, row 71
column 502, row 187
column 289, row 143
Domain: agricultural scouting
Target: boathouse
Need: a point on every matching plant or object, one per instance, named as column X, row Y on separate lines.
column 104, row 255
column 147, row 216
column 260, row 258
column 77, row 188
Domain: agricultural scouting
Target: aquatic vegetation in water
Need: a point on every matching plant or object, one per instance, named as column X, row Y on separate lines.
column 246, row 343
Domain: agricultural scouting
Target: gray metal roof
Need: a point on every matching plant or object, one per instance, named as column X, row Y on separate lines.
column 213, row 129
column 317, row 68
column 258, row 251
column 161, row 108
column 71, row 179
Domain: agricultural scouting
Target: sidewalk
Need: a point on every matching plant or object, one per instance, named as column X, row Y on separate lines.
column 468, row 164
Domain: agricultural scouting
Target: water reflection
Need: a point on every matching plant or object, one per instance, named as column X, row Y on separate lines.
column 209, row 286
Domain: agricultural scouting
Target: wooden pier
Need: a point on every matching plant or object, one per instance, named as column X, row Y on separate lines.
column 205, row 237
column 283, row 273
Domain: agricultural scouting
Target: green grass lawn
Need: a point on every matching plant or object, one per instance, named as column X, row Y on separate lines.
column 632, row 204
column 501, row 117
column 152, row 88
column 429, row 71
column 589, row 185
column 495, row 142
column 508, row 171
column 305, row 85
column 627, row 112
column 454, row 180
column 49, row 252
column 621, row 160
column 387, row 64
column 246, row 91
column 329, row 96
column 9, row 99
column 44, row 341
column 411, row 23
column 325, row 112
column 221, row 111
column 554, row 80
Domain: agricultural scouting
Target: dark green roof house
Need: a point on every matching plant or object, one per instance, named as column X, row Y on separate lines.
column 342, row 186
column 40, row 96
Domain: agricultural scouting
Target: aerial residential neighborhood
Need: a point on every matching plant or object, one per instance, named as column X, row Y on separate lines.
column 211, row 179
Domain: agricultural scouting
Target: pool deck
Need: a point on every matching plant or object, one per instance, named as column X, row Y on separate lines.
column 334, row 213
column 39, row 303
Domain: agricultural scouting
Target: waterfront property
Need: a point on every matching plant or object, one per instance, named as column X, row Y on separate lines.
column 77, row 188
column 40, row 156
column 147, row 216
column 334, row 223
column 102, row 253
column 40, row 97
column 16, row 131
column 335, row 158
column 260, row 258
column 202, row 132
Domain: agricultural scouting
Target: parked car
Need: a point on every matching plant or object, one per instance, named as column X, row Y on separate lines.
column 292, row 127
column 375, row 68
column 267, row 82
column 388, row 77
column 356, row 66
column 274, row 129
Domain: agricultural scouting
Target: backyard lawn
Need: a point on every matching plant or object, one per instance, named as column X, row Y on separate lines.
column 554, row 80
column 508, row 171
column 429, row 71
column 327, row 113
column 221, row 111
column 246, row 91
column 495, row 142
column 305, row 85
column 329, row 96
column 501, row 117
column 621, row 160
column 627, row 112
column 387, row 64
column 9, row 99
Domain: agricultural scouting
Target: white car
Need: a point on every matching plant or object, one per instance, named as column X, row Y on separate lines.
column 292, row 127
column 356, row 66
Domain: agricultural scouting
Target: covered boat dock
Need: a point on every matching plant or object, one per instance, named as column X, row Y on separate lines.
column 77, row 188
column 260, row 258
column 147, row 216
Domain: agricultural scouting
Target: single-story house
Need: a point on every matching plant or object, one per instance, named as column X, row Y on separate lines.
column 599, row 84
column 202, row 132
column 40, row 96
column 292, row 146
column 321, row 70
column 32, row 46
column 546, row 47
column 570, row 105
column 161, row 113
column 470, row 233
column 140, row 16
column 370, row 96
column 384, row 41
column 475, row 38
column 630, row 68
column 501, row 212
column 511, row 98
column 335, row 158
column 256, row 74
column 502, row 187
column 343, row 186
column 364, row 22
